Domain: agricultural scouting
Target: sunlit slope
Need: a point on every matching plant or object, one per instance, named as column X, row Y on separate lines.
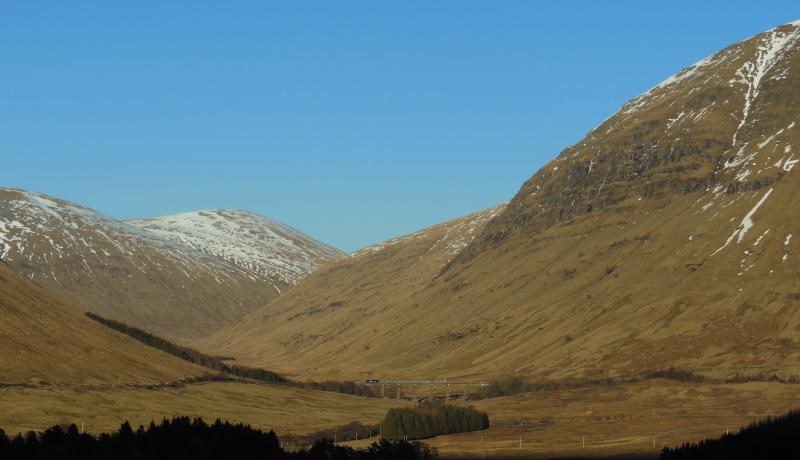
column 45, row 339
column 666, row 238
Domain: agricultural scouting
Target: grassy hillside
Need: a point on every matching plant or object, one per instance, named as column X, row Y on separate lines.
column 43, row 338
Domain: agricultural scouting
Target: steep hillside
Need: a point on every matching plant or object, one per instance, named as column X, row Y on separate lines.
column 664, row 238
column 133, row 275
column 45, row 339
column 272, row 250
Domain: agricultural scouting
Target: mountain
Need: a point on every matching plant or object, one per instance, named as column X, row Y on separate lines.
column 43, row 338
column 139, row 277
column 272, row 250
column 665, row 238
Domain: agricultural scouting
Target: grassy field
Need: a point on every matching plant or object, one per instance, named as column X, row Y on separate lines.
column 286, row 410
column 616, row 420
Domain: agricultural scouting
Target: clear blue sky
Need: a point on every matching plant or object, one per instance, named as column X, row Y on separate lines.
column 354, row 121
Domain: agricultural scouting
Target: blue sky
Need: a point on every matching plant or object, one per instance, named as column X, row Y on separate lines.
column 354, row 121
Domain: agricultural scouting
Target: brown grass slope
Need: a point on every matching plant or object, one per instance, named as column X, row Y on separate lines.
column 664, row 238
column 45, row 339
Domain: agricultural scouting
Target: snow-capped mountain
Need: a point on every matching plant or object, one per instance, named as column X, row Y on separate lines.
column 134, row 275
column 270, row 249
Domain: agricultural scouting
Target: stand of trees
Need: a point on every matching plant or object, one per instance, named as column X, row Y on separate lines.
column 432, row 419
column 774, row 438
column 184, row 353
column 185, row 439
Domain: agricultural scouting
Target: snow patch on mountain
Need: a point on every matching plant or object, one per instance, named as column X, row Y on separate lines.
column 745, row 225
column 34, row 227
column 775, row 44
column 262, row 246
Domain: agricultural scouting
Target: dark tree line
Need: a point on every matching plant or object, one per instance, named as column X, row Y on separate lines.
column 185, row 439
column 217, row 364
column 431, row 419
column 184, row 353
column 350, row 388
column 509, row 386
column 774, row 438
column 674, row 374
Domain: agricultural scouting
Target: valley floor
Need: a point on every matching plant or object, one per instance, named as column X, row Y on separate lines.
column 616, row 420
column 283, row 409
column 607, row 420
